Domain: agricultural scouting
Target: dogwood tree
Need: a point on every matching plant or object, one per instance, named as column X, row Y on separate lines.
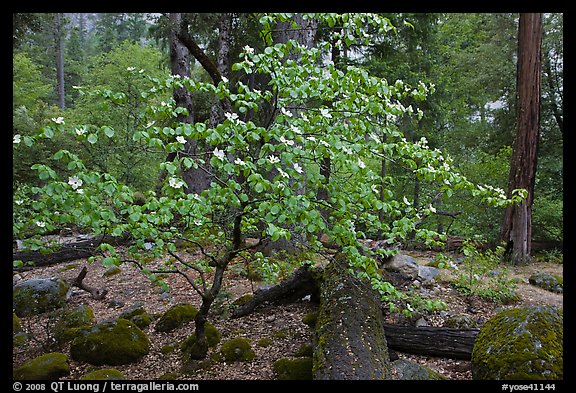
column 264, row 175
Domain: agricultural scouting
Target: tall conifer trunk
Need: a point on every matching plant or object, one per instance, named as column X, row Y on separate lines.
column 517, row 226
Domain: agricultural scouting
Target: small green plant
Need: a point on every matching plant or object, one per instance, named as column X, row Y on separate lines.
column 482, row 274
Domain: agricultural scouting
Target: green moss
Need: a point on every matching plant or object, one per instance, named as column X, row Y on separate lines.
column 105, row 374
column 280, row 334
column 52, row 365
column 73, row 322
column 310, row 319
column 305, row 350
column 521, row 343
column 16, row 324
column 237, row 349
column 175, row 317
column 112, row 342
column 213, row 337
column 112, row 271
column 241, row 300
column 293, row 368
column 264, row 342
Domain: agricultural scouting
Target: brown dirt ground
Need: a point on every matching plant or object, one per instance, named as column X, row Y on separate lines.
column 282, row 324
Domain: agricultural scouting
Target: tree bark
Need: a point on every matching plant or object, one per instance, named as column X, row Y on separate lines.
column 65, row 252
column 431, row 341
column 350, row 343
column 517, row 226
column 59, row 52
column 301, row 283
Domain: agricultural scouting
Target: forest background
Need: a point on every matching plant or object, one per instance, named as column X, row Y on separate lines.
column 469, row 58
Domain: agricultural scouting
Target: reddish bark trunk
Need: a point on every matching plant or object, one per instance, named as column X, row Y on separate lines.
column 517, row 227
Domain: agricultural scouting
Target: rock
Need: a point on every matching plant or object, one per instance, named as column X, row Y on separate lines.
column 547, row 281
column 39, row 295
column 460, row 321
column 104, row 374
column 408, row 370
column 293, row 368
column 112, row 271
column 53, row 365
column 112, row 343
column 237, row 349
column 403, row 264
column 421, row 322
column 175, row 317
column 427, row 273
column 18, row 336
column 138, row 315
column 521, row 343
column 213, row 337
column 69, row 324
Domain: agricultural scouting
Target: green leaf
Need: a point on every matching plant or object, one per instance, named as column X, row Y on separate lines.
column 108, row 131
column 92, row 138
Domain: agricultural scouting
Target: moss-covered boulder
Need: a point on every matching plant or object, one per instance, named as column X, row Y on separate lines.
column 18, row 336
column 175, row 317
column 138, row 315
column 111, row 343
column 104, row 374
column 293, row 368
column 237, row 349
column 547, row 281
column 70, row 323
column 189, row 347
column 407, row 370
column 520, row 343
column 53, row 365
column 39, row 295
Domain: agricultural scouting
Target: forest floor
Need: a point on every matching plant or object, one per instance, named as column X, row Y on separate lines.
column 282, row 325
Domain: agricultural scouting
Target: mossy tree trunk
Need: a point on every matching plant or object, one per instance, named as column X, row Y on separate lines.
column 350, row 339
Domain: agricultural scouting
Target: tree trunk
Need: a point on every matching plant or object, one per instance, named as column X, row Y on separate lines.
column 517, row 227
column 59, row 44
column 350, row 343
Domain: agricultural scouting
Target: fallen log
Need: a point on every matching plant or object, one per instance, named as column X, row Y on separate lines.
column 350, row 343
column 65, row 251
column 300, row 284
column 431, row 341
column 442, row 342
column 97, row 294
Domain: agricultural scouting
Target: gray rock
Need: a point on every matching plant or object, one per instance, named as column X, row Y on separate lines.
column 461, row 321
column 547, row 281
column 39, row 295
column 407, row 370
column 403, row 264
column 427, row 273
